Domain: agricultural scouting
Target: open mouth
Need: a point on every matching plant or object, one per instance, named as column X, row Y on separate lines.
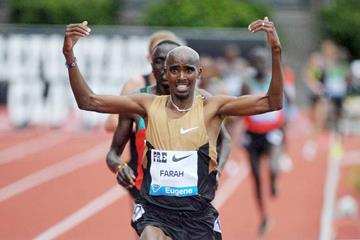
column 182, row 87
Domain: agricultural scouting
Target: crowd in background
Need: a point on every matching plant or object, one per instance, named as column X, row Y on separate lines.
column 333, row 83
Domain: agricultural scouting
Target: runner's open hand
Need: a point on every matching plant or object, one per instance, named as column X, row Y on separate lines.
column 268, row 27
column 72, row 34
column 125, row 177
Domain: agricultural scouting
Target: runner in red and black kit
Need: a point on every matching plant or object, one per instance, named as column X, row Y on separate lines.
column 129, row 174
column 137, row 139
column 264, row 135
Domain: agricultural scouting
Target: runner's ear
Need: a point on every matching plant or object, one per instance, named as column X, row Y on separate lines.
column 200, row 71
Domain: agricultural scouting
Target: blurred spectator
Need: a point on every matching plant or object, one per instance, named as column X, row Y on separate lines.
column 232, row 70
column 354, row 86
column 290, row 93
column 326, row 76
column 351, row 115
column 290, row 112
column 210, row 77
column 334, row 77
column 318, row 107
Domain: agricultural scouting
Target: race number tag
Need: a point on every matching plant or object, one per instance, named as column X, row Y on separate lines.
column 173, row 173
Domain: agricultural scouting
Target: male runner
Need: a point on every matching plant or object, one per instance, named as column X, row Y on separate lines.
column 122, row 134
column 182, row 129
column 264, row 135
column 130, row 174
column 140, row 81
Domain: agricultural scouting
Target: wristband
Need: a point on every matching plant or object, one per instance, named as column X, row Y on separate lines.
column 119, row 167
column 72, row 64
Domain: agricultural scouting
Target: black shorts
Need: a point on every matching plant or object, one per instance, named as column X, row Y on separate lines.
column 337, row 102
column 260, row 143
column 314, row 98
column 177, row 224
column 256, row 143
column 134, row 193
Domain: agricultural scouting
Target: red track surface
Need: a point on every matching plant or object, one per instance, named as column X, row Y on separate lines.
column 29, row 206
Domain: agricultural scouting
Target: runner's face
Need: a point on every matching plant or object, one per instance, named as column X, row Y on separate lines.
column 158, row 61
column 182, row 73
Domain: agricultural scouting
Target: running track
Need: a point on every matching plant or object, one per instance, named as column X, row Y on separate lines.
column 54, row 184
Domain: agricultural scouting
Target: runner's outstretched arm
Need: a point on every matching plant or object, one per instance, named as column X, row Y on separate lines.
column 273, row 100
column 84, row 96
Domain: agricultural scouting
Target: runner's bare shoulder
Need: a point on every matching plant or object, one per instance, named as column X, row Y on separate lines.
column 133, row 84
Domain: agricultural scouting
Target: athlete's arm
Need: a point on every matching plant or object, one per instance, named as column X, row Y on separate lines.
column 125, row 175
column 129, row 87
column 84, row 96
column 273, row 100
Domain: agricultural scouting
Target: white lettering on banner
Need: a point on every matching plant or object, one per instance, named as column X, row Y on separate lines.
column 24, row 102
column 4, row 74
column 14, row 56
column 35, row 59
column 54, row 60
column 173, row 173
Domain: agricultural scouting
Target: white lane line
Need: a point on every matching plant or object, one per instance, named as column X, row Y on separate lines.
column 56, row 170
column 330, row 189
column 83, row 213
column 237, row 174
column 31, row 146
column 351, row 158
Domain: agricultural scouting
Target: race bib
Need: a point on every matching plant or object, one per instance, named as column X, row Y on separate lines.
column 173, row 173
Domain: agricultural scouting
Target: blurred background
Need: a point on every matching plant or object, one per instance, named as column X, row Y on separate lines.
column 43, row 133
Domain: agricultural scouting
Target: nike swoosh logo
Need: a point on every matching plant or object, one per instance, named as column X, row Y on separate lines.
column 175, row 159
column 186, row 130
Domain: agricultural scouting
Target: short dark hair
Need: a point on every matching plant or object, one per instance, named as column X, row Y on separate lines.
column 167, row 42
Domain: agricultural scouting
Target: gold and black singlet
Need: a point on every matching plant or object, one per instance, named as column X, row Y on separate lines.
column 180, row 161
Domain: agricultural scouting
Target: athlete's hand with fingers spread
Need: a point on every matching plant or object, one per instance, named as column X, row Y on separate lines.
column 125, row 176
column 268, row 27
column 72, row 34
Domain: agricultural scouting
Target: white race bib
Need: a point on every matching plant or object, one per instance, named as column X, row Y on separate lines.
column 173, row 173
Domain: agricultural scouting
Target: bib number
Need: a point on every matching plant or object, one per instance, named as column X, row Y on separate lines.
column 173, row 173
